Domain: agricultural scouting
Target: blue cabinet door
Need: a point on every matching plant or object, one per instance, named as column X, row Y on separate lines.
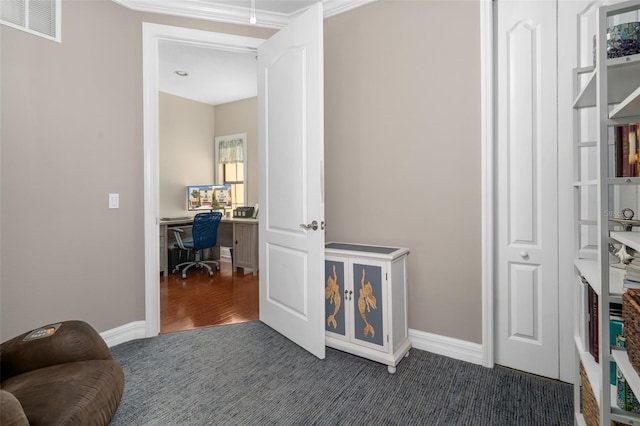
column 367, row 303
column 334, row 302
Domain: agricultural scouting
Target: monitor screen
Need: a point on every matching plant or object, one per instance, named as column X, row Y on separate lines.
column 208, row 197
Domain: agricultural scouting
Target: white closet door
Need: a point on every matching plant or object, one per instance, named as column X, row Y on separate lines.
column 526, row 334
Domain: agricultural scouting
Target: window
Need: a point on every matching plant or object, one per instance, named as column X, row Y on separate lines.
column 231, row 158
column 38, row 17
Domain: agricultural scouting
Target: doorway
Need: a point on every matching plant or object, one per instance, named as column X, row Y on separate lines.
column 153, row 34
column 206, row 94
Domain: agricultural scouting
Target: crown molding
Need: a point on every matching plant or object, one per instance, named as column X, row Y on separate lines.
column 336, row 7
column 211, row 11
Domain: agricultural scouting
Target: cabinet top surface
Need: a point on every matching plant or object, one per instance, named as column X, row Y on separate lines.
column 369, row 249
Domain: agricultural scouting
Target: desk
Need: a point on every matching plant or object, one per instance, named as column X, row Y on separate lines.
column 239, row 234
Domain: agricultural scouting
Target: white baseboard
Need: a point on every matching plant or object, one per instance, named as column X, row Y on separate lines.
column 441, row 345
column 447, row 346
column 124, row 333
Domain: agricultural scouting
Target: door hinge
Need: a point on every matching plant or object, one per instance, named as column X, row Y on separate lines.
column 387, row 338
column 386, row 276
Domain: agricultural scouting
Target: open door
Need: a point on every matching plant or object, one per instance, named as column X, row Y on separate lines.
column 291, row 152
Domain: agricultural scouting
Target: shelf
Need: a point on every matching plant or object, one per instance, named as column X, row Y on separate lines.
column 628, row 238
column 611, row 88
column 585, row 183
column 616, row 278
column 620, row 180
column 591, row 367
column 629, row 373
column 589, row 270
column 629, row 107
column 631, row 376
column 623, row 79
column 593, row 375
column 626, row 416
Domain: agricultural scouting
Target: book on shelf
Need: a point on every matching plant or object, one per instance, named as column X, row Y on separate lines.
column 616, row 338
column 625, row 397
column 627, row 151
column 592, row 308
column 631, row 278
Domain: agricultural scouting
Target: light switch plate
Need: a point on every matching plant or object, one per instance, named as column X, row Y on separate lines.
column 114, row 201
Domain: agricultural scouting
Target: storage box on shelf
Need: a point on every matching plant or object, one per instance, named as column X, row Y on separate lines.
column 631, row 316
column 607, row 182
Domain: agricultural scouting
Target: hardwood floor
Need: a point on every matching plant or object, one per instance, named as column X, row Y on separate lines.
column 202, row 301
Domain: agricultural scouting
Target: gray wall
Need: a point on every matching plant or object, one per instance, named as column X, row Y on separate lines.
column 402, row 149
column 186, row 150
column 402, row 138
column 242, row 117
column 187, row 132
column 71, row 133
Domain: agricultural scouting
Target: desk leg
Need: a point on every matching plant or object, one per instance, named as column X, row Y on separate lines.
column 163, row 250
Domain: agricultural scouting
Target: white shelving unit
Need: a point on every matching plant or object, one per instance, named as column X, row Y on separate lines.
column 607, row 94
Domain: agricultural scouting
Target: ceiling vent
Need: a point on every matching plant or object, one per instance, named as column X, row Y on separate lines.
column 39, row 17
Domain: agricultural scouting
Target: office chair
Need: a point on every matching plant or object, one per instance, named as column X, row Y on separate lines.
column 205, row 235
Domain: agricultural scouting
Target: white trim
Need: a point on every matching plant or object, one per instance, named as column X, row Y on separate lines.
column 219, row 12
column 486, row 90
column 124, row 333
column 336, row 7
column 447, row 346
column 434, row 343
column 152, row 34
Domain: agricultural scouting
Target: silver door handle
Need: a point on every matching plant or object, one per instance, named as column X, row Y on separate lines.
column 313, row 225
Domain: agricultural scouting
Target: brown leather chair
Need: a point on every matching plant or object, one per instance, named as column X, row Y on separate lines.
column 64, row 378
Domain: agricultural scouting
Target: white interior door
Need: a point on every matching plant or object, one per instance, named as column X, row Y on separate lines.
column 527, row 326
column 291, row 151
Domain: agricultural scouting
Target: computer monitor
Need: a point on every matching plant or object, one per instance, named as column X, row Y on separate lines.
column 208, row 197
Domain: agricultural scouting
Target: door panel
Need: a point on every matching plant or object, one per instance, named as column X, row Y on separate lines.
column 335, row 297
column 291, row 151
column 527, row 261
column 523, row 300
column 522, row 57
column 368, row 304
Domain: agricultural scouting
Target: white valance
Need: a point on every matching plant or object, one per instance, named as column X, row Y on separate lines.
column 231, row 151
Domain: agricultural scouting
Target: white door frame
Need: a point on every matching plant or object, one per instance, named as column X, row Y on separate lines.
column 152, row 34
column 487, row 120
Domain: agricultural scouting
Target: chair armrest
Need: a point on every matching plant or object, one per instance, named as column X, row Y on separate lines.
column 73, row 341
column 177, row 233
column 12, row 413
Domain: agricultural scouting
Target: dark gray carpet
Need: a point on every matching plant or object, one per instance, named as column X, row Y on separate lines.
column 247, row 374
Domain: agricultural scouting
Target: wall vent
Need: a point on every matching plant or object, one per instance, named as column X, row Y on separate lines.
column 38, row 17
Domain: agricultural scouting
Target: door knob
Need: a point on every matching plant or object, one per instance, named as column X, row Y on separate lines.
column 313, row 225
column 524, row 254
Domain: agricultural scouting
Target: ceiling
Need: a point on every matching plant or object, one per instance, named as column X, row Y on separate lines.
column 216, row 76
column 269, row 13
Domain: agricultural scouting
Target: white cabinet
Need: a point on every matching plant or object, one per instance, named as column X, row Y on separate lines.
column 606, row 171
column 245, row 245
column 366, row 301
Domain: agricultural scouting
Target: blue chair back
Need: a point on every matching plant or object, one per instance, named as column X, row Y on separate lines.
column 205, row 229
